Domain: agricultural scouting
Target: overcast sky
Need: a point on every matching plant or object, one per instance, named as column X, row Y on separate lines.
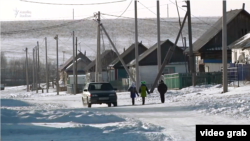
column 14, row 10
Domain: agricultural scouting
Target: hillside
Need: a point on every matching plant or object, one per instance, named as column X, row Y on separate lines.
column 16, row 35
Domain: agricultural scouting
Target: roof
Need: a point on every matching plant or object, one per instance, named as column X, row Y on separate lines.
column 214, row 30
column 150, row 50
column 103, row 56
column 70, row 60
column 243, row 42
column 125, row 53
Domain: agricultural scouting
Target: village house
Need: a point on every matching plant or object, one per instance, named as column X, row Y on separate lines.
column 241, row 50
column 148, row 62
column 208, row 48
column 116, row 69
column 106, row 58
column 67, row 68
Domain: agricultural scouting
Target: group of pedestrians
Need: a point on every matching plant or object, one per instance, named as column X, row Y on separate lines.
column 143, row 90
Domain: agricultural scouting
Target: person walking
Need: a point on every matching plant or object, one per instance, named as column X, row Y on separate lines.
column 143, row 90
column 162, row 89
column 133, row 92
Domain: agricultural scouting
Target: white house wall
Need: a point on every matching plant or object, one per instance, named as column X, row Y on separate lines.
column 149, row 73
column 213, row 67
column 237, row 52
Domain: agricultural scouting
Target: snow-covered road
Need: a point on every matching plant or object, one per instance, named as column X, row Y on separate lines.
column 47, row 116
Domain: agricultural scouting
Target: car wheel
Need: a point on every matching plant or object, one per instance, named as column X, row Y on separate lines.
column 115, row 104
column 109, row 104
column 89, row 104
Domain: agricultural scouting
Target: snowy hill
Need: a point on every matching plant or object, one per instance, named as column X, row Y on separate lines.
column 120, row 30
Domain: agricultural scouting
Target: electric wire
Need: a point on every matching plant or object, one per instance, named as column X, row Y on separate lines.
column 44, row 28
column 110, row 2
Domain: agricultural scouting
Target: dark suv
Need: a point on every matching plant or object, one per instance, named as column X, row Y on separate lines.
column 98, row 93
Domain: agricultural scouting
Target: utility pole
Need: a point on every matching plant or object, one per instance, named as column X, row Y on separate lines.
column 224, row 46
column 158, row 37
column 33, row 66
column 191, row 55
column 27, row 76
column 136, row 50
column 76, row 62
column 119, row 56
column 168, row 56
column 57, row 76
column 73, row 14
column 168, row 10
column 74, row 67
column 185, row 47
column 63, row 55
column 98, row 65
column 38, row 67
column 179, row 20
column 47, row 79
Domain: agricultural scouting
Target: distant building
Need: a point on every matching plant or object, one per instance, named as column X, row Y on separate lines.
column 106, row 58
column 67, row 68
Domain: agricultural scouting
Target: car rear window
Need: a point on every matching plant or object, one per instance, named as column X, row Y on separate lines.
column 100, row 86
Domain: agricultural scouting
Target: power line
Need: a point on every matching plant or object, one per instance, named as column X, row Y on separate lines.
column 147, row 8
column 192, row 14
column 171, row 23
column 44, row 28
column 133, row 32
column 125, row 9
column 73, row 4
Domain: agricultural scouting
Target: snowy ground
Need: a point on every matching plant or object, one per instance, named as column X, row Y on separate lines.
column 28, row 116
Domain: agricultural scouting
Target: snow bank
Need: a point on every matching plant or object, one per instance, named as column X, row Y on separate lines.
column 74, row 125
column 208, row 99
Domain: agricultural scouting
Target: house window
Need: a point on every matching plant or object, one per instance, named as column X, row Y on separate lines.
column 168, row 70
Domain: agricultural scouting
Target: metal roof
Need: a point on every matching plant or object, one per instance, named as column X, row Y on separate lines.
column 125, row 53
column 243, row 42
column 150, row 50
column 70, row 60
column 213, row 31
column 103, row 56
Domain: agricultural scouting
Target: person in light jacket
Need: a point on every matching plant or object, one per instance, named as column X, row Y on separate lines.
column 143, row 90
column 162, row 89
column 133, row 92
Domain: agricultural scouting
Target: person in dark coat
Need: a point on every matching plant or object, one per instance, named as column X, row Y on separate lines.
column 162, row 89
column 143, row 90
column 133, row 92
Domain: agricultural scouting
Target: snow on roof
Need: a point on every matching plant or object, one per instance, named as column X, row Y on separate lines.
column 72, row 63
column 244, row 38
column 243, row 42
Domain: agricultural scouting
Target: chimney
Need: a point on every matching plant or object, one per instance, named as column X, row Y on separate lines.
column 85, row 52
column 243, row 7
column 123, row 49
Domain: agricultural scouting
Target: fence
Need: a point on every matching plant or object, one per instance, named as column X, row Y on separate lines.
column 243, row 71
column 16, row 78
column 182, row 80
